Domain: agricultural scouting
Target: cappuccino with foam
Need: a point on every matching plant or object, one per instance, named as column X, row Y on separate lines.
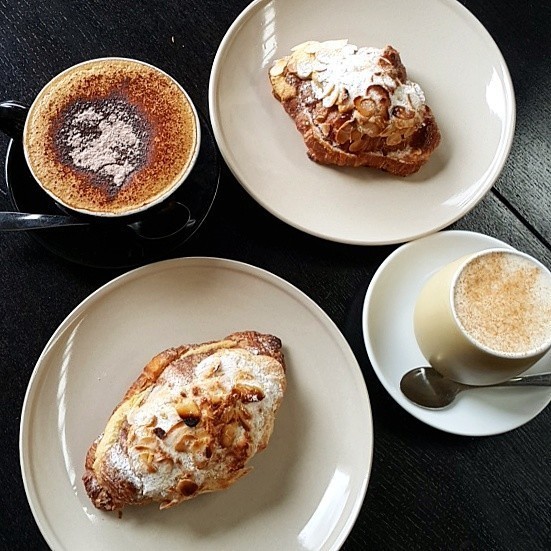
column 485, row 317
column 503, row 302
column 111, row 136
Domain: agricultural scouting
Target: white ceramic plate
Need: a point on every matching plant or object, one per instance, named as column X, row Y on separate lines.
column 390, row 341
column 444, row 48
column 306, row 488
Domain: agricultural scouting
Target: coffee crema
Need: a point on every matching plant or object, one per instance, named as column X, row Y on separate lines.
column 111, row 136
column 503, row 302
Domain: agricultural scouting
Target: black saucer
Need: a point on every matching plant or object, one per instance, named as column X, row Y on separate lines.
column 108, row 245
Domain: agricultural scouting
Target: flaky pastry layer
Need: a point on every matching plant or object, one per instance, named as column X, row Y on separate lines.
column 189, row 424
column 355, row 106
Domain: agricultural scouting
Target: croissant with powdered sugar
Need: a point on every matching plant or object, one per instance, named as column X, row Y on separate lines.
column 189, row 424
column 355, row 106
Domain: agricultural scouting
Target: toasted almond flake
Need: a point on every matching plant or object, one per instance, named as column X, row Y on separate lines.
column 330, row 100
column 304, row 45
column 317, row 65
column 355, row 135
column 371, row 129
column 335, row 44
column 365, row 106
column 357, row 146
column 328, row 89
column 292, row 65
column 343, row 133
column 395, row 139
column 325, row 129
column 312, row 47
column 304, row 68
column 278, row 67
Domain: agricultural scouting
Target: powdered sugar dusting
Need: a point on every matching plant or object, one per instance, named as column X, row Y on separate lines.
column 119, row 461
column 339, row 65
column 158, row 410
column 215, row 377
column 106, row 138
column 230, row 366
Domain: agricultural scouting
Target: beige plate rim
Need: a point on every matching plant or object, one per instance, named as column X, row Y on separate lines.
column 265, row 153
column 306, row 488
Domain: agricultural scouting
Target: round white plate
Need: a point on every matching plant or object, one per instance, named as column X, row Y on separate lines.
column 306, row 488
column 390, row 341
column 444, row 48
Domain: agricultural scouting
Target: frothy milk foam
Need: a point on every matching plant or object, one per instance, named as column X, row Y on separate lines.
column 111, row 136
column 503, row 301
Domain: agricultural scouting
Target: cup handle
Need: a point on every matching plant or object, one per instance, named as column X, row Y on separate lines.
column 12, row 118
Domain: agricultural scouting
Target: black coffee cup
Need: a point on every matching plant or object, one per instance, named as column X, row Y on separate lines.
column 102, row 118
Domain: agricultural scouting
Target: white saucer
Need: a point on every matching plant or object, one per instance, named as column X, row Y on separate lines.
column 306, row 488
column 390, row 341
column 443, row 47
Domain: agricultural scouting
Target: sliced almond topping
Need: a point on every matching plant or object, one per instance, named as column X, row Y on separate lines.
column 331, row 98
column 401, row 112
column 357, row 146
column 228, row 435
column 244, row 419
column 282, row 89
column 371, row 129
column 395, row 139
column 200, row 463
column 292, row 65
column 304, row 68
column 346, row 106
column 312, row 47
column 325, row 129
column 318, row 65
column 320, row 113
column 344, row 132
column 184, row 443
column 380, row 98
column 305, row 46
column 355, row 135
column 328, row 90
column 248, row 393
column 164, row 461
column 174, row 428
column 365, row 106
column 146, row 443
column 278, row 67
column 146, row 457
column 187, row 408
column 227, row 414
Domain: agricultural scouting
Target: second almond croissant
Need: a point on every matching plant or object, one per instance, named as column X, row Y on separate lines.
column 189, row 424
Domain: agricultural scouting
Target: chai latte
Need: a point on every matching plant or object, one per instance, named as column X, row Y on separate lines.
column 111, row 136
column 503, row 302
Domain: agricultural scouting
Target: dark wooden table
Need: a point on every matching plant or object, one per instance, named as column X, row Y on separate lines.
column 428, row 489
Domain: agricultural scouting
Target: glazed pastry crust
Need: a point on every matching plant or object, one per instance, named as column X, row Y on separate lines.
column 375, row 117
column 189, row 424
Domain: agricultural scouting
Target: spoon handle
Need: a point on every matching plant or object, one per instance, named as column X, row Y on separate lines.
column 13, row 221
column 538, row 379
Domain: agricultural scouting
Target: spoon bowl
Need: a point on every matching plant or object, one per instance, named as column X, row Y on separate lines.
column 425, row 387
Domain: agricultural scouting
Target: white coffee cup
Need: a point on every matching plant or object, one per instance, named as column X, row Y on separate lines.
column 485, row 317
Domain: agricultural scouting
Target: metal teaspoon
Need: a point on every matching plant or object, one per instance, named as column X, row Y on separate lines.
column 425, row 387
column 164, row 223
